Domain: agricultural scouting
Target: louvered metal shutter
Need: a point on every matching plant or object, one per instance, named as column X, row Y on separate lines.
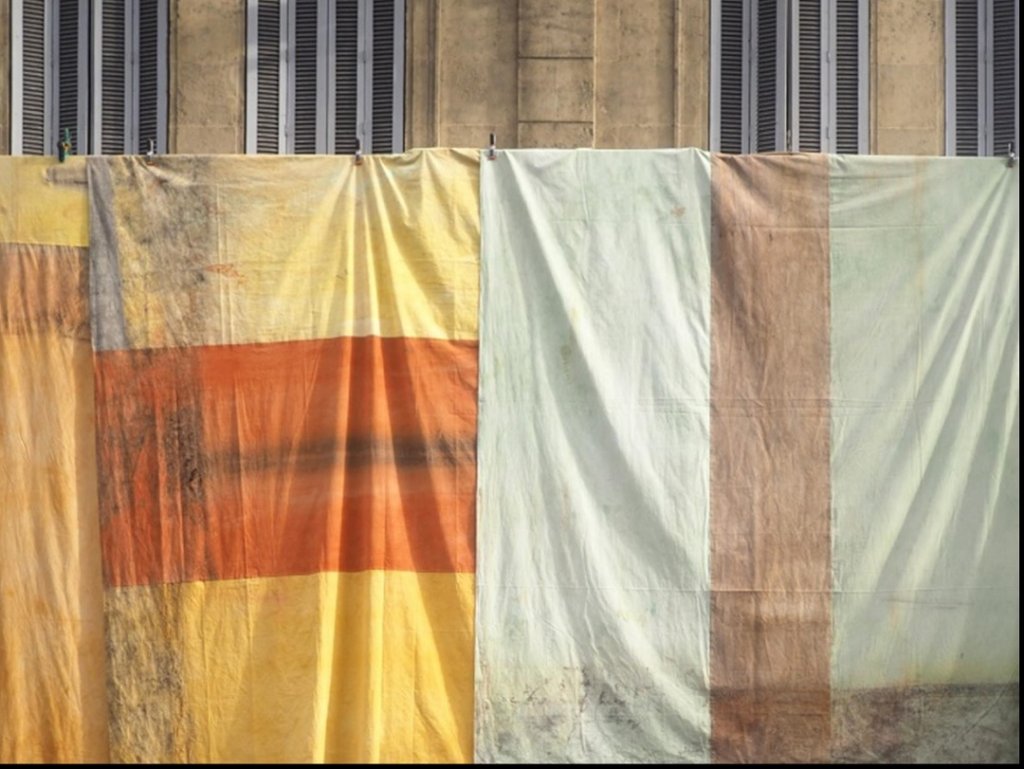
column 29, row 75
column 266, row 92
column 767, row 129
column 346, row 75
column 149, row 41
column 729, row 92
column 967, row 72
column 305, row 77
column 110, row 108
column 807, row 77
column 847, row 121
column 1004, row 109
column 385, row 87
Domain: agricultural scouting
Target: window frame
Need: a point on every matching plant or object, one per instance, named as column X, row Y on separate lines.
column 986, row 77
column 90, row 77
column 326, row 74
column 787, row 133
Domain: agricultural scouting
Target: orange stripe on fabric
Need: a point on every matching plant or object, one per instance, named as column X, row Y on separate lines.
column 770, row 539
column 44, row 289
column 288, row 458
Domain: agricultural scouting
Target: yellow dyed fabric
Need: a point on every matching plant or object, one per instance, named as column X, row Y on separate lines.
column 371, row 666
column 52, row 658
column 287, row 506
column 230, row 250
column 42, row 201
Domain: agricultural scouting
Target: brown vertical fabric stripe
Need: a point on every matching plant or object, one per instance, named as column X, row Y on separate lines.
column 770, row 544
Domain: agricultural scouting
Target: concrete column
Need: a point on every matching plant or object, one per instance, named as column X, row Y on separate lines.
column 907, row 77
column 556, row 73
column 477, row 72
column 635, row 73
column 692, row 72
column 206, row 103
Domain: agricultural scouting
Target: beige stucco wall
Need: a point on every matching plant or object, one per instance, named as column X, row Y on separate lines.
column 5, row 77
column 206, row 100
column 907, row 84
column 557, row 73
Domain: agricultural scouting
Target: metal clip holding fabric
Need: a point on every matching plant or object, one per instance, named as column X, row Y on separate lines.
column 151, row 152
column 1011, row 155
column 492, row 151
column 358, row 157
column 64, row 146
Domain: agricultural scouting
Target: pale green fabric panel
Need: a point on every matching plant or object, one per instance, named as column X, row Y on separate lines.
column 592, row 565
column 925, row 421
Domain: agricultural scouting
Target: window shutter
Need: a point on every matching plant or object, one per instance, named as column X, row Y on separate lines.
column 1004, row 75
column 29, row 71
column 152, row 78
column 72, row 84
column 768, row 131
column 850, row 66
column 808, row 86
column 386, row 74
column 729, row 88
column 111, row 105
column 305, row 79
column 265, row 77
column 346, row 75
column 967, row 77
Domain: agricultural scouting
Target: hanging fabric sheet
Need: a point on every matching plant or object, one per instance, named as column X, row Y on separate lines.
column 749, row 473
column 286, row 408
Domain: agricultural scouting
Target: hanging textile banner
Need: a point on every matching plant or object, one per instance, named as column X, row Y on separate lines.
column 594, row 605
column 286, row 408
column 52, row 657
column 749, row 475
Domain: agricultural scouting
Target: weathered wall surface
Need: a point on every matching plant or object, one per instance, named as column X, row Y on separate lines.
column 206, row 103
column 907, row 88
column 570, row 73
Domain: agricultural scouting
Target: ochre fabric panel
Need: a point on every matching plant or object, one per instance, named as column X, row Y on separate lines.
column 289, row 458
column 769, row 532
column 233, row 250
column 367, row 667
column 44, row 290
column 43, row 202
column 52, row 657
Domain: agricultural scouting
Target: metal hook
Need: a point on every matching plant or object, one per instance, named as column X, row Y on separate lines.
column 358, row 159
column 492, row 152
column 1011, row 156
column 151, row 152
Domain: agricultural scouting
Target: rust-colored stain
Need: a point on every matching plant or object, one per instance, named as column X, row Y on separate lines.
column 288, row 458
column 226, row 269
column 770, row 539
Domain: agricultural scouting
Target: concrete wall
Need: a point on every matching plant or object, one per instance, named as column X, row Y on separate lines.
column 206, row 102
column 5, row 77
column 907, row 77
